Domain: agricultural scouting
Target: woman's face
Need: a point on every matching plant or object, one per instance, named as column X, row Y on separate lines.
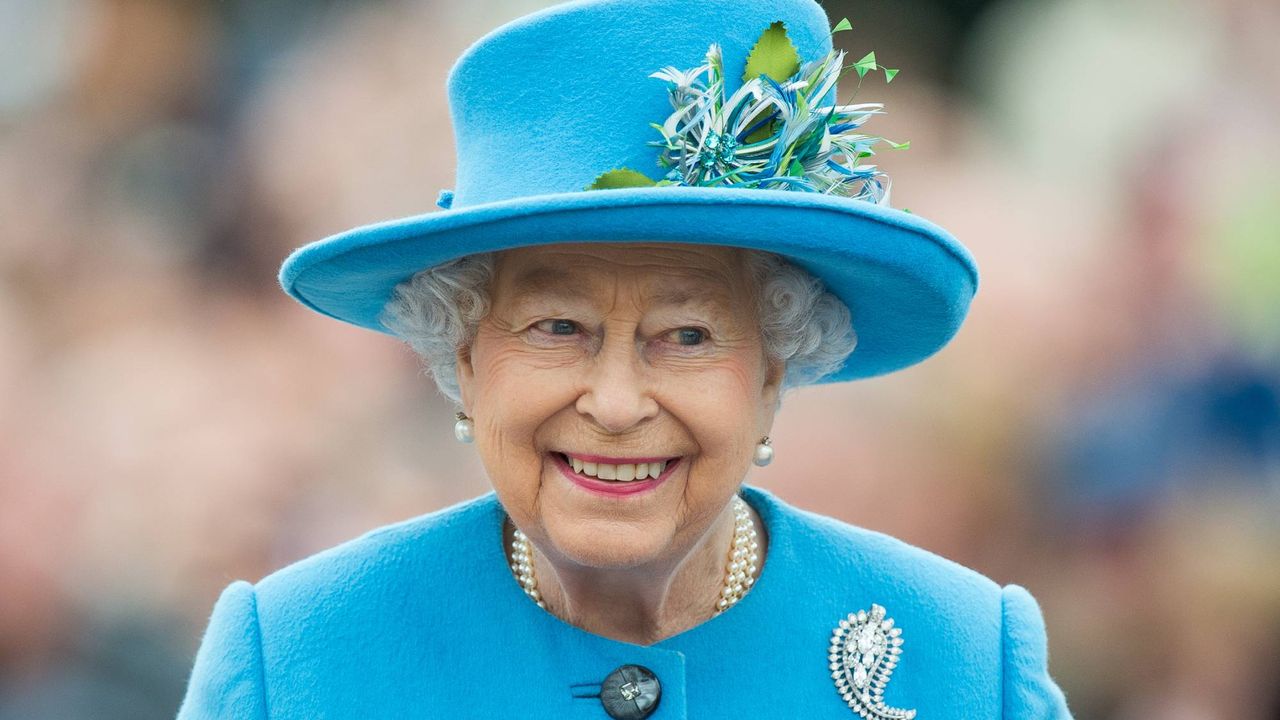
column 613, row 355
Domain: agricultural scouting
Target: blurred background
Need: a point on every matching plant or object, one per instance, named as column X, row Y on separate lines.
column 1104, row 430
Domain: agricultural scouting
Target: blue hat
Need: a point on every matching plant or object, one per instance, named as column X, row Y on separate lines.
column 565, row 132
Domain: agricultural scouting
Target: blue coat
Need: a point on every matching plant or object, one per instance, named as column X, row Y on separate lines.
column 423, row 619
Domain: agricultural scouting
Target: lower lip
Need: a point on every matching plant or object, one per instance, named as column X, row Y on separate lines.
column 612, row 489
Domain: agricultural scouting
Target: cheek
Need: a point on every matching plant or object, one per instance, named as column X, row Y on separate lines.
column 508, row 411
column 721, row 407
column 729, row 386
column 503, row 365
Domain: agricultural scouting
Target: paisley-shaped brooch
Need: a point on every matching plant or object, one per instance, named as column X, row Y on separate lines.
column 864, row 651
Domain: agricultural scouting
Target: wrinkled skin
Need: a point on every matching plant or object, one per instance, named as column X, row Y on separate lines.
column 631, row 351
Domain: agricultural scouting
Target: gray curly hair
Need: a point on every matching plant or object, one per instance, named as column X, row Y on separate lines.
column 803, row 325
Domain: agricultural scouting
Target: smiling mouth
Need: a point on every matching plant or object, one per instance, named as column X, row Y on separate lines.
column 618, row 472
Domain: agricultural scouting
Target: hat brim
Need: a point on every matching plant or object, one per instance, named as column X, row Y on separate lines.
column 907, row 282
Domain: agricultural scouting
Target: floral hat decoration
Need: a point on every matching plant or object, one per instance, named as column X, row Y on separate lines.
column 780, row 129
column 577, row 124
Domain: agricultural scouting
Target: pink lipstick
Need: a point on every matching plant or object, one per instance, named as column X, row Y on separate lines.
column 613, row 488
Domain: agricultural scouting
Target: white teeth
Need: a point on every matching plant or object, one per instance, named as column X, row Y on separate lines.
column 619, row 473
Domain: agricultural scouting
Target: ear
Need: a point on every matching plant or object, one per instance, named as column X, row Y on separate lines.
column 771, row 392
column 466, row 374
column 777, row 371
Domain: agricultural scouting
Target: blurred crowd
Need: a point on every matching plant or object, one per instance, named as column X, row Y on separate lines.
column 1105, row 429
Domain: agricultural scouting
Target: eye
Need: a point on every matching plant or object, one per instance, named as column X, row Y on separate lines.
column 557, row 326
column 689, row 336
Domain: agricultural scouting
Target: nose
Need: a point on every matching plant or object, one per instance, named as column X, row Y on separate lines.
column 617, row 396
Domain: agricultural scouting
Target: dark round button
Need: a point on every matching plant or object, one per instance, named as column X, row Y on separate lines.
column 631, row 692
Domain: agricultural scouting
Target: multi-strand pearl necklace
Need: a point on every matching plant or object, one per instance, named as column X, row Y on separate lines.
column 740, row 570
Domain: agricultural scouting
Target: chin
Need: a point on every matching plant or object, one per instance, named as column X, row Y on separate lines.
column 607, row 544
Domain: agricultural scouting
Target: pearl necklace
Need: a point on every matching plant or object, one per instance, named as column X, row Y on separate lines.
column 740, row 570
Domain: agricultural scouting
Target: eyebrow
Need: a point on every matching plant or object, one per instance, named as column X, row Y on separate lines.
column 547, row 281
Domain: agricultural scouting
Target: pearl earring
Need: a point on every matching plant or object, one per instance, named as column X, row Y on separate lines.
column 464, row 430
column 764, row 452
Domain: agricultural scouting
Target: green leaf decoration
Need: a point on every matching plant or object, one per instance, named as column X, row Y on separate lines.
column 762, row 133
column 866, row 64
column 841, row 26
column 899, row 146
column 621, row 178
column 889, row 74
column 799, row 140
column 773, row 55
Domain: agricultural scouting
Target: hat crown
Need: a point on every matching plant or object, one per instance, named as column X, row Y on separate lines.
column 548, row 102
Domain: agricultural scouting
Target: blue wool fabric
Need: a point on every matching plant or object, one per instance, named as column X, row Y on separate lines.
column 541, row 107
column 423, row 619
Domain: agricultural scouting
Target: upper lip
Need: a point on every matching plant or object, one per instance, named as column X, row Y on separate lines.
column 612, row 460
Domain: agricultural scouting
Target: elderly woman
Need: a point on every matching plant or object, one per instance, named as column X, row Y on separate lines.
column 662, row 222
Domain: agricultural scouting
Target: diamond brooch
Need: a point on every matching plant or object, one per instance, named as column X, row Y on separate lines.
column 864, row 651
